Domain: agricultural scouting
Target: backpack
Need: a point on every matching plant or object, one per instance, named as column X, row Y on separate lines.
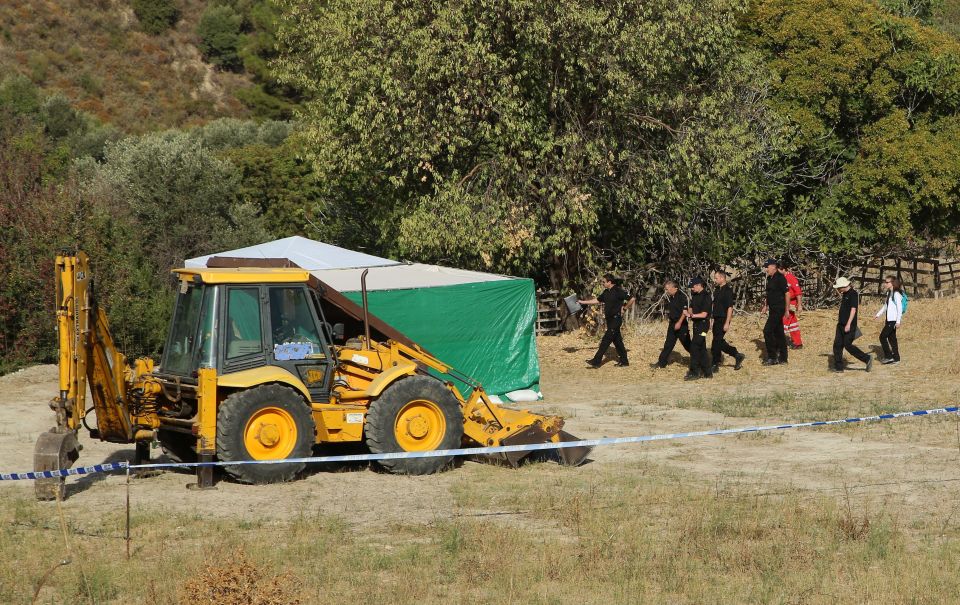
column 903, row 302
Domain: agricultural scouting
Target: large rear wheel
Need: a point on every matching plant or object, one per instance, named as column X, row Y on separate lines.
column 415, row 414
column 269, row 422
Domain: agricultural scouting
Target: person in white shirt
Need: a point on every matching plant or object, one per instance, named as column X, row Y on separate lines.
column 891, row 313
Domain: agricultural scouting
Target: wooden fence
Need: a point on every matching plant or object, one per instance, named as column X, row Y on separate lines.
column 921, row 277
column 551, row 311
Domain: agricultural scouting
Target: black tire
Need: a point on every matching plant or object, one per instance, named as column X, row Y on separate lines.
column 239, row 409
column 179, row 447
column 381, row 424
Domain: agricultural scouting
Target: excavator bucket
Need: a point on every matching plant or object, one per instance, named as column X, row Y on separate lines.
column 569, row 456
column 54, row 451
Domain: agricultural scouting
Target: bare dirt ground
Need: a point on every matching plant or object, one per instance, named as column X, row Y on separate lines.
column 908, row 465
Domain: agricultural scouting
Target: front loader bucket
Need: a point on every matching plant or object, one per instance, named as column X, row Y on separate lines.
column 570, row 456
column 54, row 451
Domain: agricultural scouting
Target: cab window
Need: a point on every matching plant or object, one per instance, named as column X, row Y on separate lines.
column 178, row 354
column 243, row 322
column 291, row 319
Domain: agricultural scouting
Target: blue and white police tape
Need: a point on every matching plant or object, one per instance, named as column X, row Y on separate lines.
column 472, row 451
column 80, row 470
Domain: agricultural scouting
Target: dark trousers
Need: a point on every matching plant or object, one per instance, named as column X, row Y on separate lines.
column 844, row 340
column 612, row 335
column 888, row 340
column 699, row 358
column 773, row 336
column 719, row 346
column 683, row 335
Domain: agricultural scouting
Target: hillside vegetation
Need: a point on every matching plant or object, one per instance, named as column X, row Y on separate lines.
column 123, row 71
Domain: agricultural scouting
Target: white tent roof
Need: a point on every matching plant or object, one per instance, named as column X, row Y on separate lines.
column 341, row 268
column 402, row 277
column 306, row 253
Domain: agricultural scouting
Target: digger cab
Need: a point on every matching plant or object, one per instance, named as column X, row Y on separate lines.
column 233, row 320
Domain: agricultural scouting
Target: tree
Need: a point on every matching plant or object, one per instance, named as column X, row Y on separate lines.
column 35, row 221
column 871, row 99
column 19, row 95
column 284, row 190
column 155, row 201
column 156, row 16
column 219, row 30
column 906, row 179
column 524, row 136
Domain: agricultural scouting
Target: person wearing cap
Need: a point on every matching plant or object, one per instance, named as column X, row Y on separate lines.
column 791, row 322
column 699, row 313
column 722, row 316
column 614, row 300
column 776, row 304
column 847, row 326
column 677, row 326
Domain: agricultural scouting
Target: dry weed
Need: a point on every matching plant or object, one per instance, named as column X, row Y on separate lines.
column 238, row 581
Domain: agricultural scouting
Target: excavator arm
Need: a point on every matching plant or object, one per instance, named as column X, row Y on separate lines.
column 88, row 359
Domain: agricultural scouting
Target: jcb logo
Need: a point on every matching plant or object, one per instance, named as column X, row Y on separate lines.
column 314, row 376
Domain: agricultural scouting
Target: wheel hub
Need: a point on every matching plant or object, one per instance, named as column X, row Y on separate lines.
column 268, row 435
column 420, row 426
column 417, row 427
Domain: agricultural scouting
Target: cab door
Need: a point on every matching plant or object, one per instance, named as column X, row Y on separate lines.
column 297, row 343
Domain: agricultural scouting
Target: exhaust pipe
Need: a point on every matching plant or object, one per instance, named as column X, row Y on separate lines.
column 366, row 313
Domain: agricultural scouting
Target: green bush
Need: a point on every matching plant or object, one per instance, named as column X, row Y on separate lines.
column 219, row 31
column 19, row 95
column 156, row 16
column 59, row 118
column 263, row 104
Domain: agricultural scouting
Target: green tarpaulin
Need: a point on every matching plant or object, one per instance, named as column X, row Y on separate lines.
column 485, row 330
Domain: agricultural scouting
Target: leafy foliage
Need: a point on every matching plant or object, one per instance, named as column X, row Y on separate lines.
column 155, row 16
column 219, row 32
column 139, row 206
column 871, row 99
column 523, row 135
column 19, row 95
column 32, row 224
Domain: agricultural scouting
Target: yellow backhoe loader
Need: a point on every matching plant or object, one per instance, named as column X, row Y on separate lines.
column 253, row 369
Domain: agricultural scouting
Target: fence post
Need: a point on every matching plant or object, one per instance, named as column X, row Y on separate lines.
column 899, row 272
column 936, row 277
column 916, row 285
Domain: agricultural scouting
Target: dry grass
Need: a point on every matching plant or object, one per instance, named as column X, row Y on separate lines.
column 641, row 533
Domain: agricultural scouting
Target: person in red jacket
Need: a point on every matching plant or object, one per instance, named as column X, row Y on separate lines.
column 791, row 325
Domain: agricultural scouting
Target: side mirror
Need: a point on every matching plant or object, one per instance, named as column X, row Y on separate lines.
column 338, row 331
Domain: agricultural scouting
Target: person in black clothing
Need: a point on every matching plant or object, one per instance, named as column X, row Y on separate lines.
column 722, row 316
column 614, row 299
column 677, row 327
column 847, row 326
column 776, row 303
column 699, row 312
